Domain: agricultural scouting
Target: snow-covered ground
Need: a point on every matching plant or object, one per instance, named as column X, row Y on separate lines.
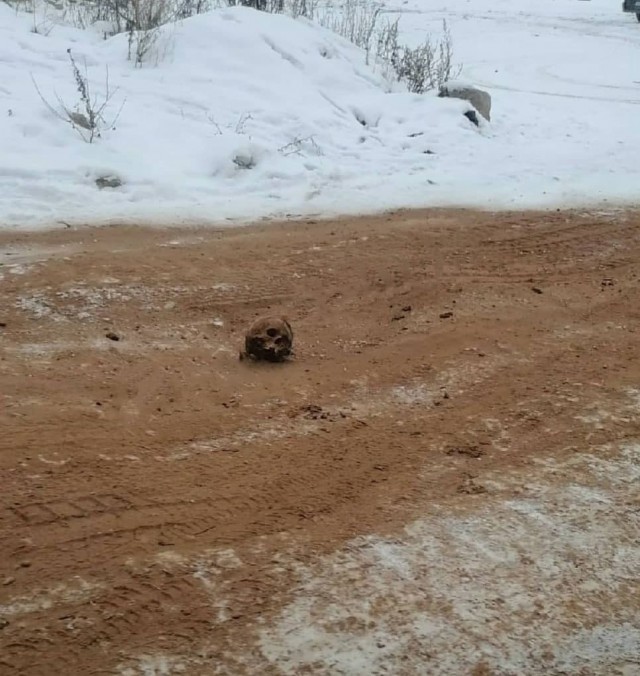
column 241, row 115
column 532, row 585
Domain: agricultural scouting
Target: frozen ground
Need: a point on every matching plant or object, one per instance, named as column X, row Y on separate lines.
column 520, row 586
column 419, row 492
column 240, row 115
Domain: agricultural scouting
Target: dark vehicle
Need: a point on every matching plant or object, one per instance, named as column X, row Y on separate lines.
column 632, row 6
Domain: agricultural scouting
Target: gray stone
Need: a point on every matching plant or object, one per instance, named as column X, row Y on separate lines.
column 472, row 116
column 478, row 98
column 108, row 182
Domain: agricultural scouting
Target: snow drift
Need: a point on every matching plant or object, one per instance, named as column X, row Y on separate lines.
column 238, row 115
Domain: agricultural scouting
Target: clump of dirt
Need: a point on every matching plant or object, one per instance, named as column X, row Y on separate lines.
column 469, row 450
column 470, row 486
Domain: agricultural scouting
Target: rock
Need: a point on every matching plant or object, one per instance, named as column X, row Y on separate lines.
column 478, row 98
column 470, row 450
column 269, row 339
column 314, row 412
column 536, row 289
column 108, row 182
column 472, row 116
column 446, row 315
column 468, row 486
column 112, row 336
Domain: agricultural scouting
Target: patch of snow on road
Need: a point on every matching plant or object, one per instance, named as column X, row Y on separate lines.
column 544, row 582
column 157, row 664
column 76, row 591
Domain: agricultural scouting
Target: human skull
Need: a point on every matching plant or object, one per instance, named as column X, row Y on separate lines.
column 269, row 339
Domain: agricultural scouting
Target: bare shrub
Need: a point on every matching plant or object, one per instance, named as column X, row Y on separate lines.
column 20, row 5
column 42, row 23
column 425, row 67
column 87, row 117
column 305, row 8
column 420, row 68
column 125, row 16
column 187, row 8
column 356, row 21
column 140, row 43
column 274, row 6
column 146, row 15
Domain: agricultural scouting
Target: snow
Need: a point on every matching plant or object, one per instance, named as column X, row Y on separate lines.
column 238, row 115
column 537, row 584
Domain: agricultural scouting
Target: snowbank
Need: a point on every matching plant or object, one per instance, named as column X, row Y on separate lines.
column 239, row 115
column 246, row 114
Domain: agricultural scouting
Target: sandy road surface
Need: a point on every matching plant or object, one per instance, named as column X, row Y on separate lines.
column 444, row 480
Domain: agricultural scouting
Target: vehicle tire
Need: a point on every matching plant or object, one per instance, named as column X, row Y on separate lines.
column 638, row 16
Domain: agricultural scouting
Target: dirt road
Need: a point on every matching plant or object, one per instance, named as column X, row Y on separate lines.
column 443, row 480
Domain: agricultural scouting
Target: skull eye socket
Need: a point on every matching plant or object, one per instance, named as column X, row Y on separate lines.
column 272, row 333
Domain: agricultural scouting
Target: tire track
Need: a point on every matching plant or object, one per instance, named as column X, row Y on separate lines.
column 153, row 460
